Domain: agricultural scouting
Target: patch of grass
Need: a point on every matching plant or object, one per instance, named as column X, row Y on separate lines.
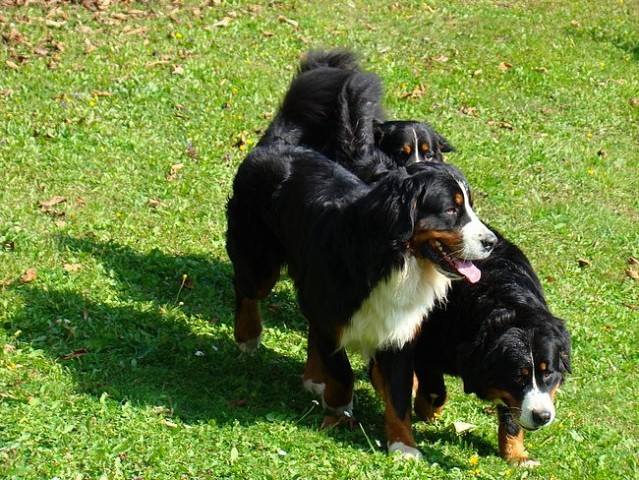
column 118, row 359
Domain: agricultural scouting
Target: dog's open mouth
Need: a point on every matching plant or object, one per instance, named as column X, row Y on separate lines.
column 449, row 264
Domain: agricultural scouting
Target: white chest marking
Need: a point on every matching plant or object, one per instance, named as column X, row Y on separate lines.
column 393, row 312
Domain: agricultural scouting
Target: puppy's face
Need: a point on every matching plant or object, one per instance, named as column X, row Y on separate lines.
column 408, row 142
column 527, row 367
column 446, row 229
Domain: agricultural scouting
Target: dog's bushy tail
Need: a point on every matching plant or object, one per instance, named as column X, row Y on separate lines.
column 339, row 58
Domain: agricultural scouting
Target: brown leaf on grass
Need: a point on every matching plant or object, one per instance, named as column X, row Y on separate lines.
column 505, row 66
column 440, row 58
column 633, row 268
column 72, row 267
column 283, row 19
column 178, row 70
column 583, row 262
column 173, row 171
column 155, row 203
column 13, row 38
column 501, row 124
column 88, row 46
column 53, row 201
column 29, row 276
column 471, row 111
column 225, row 22
column 634, row 102
column 11, row 65
column 81, row 352
column 575, row 24
column 418, row 92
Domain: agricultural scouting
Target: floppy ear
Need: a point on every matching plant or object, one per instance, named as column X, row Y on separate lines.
column 474, row 359
column 444, row 145
column 564, row 346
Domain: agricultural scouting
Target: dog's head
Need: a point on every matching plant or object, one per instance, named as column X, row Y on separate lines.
column 443, row 227
column 408, row 142
column 523, row 360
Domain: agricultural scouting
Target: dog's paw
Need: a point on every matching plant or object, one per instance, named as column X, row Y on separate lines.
column 250, row 346
column 314, row 387
column 528, row 462
column 524, row 462
column 404, row 451
column 343, row 411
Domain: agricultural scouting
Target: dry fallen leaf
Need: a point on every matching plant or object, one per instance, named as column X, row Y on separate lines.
column 75, row 354
column 418, row 92
column 72, row 267
column 633, row 268
column 504, row 125
column 55, row 200
column 283, row 19
column 29, row 276
column 11, row 64
column 461, row 427
column 466, row 110
column 222, row 23
column 178, row 70
column 504, row 66
column 634, row 102
column 155, row 203
column 173, row 171
column 583, row 262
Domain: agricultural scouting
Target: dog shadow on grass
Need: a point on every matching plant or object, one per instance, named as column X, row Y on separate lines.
column 157, row 340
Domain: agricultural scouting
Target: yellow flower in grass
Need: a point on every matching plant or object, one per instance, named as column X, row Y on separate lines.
column 474, row 460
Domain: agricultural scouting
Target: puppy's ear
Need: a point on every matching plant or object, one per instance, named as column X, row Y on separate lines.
column 564, row 347
column 444, row 145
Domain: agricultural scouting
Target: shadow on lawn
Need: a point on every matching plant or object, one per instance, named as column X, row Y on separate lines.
column 149, row 354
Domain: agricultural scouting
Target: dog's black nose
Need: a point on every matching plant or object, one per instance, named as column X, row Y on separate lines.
column 488, row 241
column 541, row 417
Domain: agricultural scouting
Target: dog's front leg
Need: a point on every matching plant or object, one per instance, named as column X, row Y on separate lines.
column 511, row 440
column 392, row 377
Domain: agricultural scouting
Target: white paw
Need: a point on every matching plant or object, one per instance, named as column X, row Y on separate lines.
column 344, row 410
column 314, row 387
column 404, row 451
column 529, row 463
column 250, row 346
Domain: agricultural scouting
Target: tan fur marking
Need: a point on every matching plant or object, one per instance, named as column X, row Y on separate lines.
column 248, row 324
column 511, row 448
column 397, row 429
column 424, row 408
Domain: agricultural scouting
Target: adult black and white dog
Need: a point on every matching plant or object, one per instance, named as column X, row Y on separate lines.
column 369, row 261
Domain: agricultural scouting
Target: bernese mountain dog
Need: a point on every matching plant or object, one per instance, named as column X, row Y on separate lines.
column 334, row 107
column 368, row 261
column 498, row 335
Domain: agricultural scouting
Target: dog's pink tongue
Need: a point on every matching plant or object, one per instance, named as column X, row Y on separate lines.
column 468, row 270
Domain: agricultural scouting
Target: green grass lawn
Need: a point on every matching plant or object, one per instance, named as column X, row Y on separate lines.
column 121, row 127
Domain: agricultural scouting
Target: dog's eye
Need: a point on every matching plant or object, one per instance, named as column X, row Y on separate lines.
column 407, row 149
column 453, row 211
column 547, row 374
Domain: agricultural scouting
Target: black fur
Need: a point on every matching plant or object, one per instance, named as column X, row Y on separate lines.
column 339, row 238
column 487, row 333
column 334, row 107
